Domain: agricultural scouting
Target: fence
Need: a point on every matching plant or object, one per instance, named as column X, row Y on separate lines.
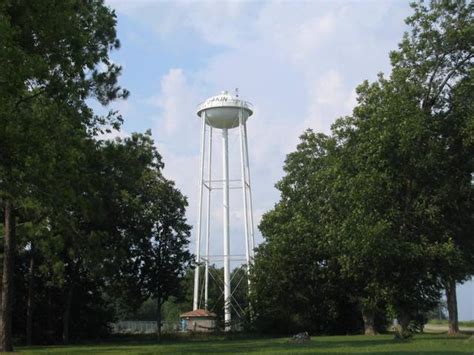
column 143, row 327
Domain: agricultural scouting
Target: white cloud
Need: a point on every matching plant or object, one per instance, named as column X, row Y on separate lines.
column 176, row 101
column 330, row 97
column 176, row 132
column 214, row 21
column 301, row 37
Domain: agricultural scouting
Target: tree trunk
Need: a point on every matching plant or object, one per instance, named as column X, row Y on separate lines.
column 7, row 280
column 369, row 322
column 404, row 322
column 452, row 302
column 50, row 333
column 67, row 314
column 29, row 301
column 158, row 317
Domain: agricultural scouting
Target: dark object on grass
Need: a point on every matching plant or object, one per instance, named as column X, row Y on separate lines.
column 300, row 338
column 402, row 334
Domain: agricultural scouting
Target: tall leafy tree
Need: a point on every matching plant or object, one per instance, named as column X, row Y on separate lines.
column 387, row 215
column 101, row 248
column 297, row 282
column 455, row 191
column 437, row 57
column 393, row 191
column 50, row 50
column 409, row 144
column 164, row 251
column 144, row 233
column 138, row 220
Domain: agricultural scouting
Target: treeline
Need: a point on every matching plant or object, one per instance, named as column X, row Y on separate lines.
column 376, row 219
column 90, row 227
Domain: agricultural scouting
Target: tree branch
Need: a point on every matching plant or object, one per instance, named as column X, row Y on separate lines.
column 27, row 98
column 430, row 82
column 448, row 77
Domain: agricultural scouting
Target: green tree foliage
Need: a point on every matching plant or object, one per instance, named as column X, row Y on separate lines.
column 94, row 257
column 85, row 211
column 50, row 53
column 297, row 284
column 162, row 257
column 382, row 208
column 434, row 64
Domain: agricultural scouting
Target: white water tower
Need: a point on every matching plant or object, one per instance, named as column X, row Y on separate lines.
column 222, row 112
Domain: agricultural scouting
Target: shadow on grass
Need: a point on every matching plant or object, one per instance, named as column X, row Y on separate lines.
column 337, row 347
column 385, row 344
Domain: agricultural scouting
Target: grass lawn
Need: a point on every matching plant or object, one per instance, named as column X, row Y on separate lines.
column 469, row 323
column 356, row 344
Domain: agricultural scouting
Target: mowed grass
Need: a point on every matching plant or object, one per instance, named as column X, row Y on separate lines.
column 469, row 323
column 356, row 344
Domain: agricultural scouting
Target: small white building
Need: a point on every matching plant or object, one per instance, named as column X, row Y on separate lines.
column 199, row 320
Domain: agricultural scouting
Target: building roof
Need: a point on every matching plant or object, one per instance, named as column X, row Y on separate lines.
column 198, row 313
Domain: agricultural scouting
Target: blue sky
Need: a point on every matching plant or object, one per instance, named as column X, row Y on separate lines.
column 298, row 62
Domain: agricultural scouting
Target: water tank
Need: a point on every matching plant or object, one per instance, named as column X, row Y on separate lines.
column 222, row 111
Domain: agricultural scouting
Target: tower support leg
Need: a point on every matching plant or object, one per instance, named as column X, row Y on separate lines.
column 252, row 237
column 208, row 222
column 225, row 172
column 198, row 230
column 244, row 187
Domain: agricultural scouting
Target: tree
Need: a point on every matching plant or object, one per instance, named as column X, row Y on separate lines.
column 407, row 139
column 94, row 251
column 141, row 224
column 391, row 190
column 164, row 255
column 438, row 56
column 50, row 50
column 104, row 230
column 296, row 276
column 387, row 205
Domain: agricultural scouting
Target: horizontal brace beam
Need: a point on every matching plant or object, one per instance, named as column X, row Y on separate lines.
column 232, row 259
column 231, row 180
column 230, row 188
column 236, row 255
